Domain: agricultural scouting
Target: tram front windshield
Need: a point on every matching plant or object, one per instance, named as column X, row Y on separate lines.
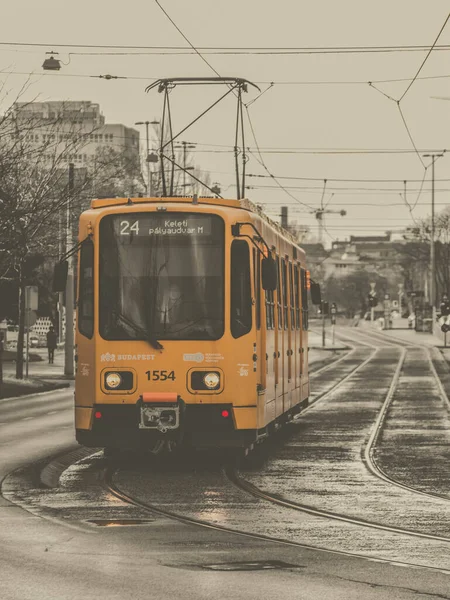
column 161, row 276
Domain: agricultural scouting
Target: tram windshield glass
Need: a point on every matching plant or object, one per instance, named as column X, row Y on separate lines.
column 161, row 276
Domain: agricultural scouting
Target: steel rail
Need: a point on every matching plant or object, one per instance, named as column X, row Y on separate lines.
column 392, row 340
column 257, row 493
column 369, row 451
column 249, row 488
column 333, row 362
column 111, row 487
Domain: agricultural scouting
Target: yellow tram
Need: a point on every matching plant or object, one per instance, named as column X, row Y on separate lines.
column 192, row 318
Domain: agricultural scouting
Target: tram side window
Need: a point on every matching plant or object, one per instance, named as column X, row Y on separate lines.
column 285, row 293
column 280, row 312
column 291, row 295
column 297, row 297
column 241, row 293
column 257, row 286
column 304, row 300
column 270, row 310
column 86, row 290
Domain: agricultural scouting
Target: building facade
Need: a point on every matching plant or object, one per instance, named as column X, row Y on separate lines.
column 56, row 122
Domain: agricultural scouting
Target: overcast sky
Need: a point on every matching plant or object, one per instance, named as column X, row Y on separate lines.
column 304, row 117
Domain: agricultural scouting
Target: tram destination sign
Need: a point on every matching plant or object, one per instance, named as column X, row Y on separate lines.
column 167, row 226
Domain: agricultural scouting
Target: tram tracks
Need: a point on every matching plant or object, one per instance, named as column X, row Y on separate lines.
column 247, row 488
column 236, row 481
column 112, row 487
column 369, row 459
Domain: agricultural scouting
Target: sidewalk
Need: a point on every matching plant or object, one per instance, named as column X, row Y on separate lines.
column 401, row 331
column 318, row 355
column 41, row 369
column 42, row 377
column 315, row 339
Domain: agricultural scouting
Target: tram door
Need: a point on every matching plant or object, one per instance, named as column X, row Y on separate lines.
column 279, row 344
column 285, row 332
column 304, row 334
column 297, row 333
column 292, row 358
column 260, row 348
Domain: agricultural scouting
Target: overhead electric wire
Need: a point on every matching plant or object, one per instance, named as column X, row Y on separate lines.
column 338, row 179
column 246, row 107
column 352, row 82
column 397, row 102
column 357, row 205
column 243, row 49
column 263, row 164
column 269, row 83
column 346, row 189
column 187, row 40
column 425, row 59
column 410, row 134
column 421, row 188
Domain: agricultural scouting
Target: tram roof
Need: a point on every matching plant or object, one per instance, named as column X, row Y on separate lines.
column 230, row 203
column 244, row 204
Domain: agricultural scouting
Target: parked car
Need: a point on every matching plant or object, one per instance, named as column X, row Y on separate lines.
column 34, row 341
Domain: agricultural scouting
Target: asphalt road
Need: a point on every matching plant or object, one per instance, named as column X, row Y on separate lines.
column 54, row 554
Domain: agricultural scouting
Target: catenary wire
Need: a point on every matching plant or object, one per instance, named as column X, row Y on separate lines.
column 425, row 59
column 244, row 49
column 270, row 83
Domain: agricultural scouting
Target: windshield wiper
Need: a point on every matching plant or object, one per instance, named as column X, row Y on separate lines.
column 138, row 329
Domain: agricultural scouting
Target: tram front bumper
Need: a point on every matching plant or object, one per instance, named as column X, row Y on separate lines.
column 160, row 411
column 153, row 418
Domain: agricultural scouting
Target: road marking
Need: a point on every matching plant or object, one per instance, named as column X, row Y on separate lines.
column 27, row 418
column 52, row 412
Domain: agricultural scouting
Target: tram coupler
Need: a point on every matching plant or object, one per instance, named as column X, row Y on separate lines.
column 160, row 411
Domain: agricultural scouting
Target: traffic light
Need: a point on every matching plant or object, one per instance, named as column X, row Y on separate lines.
column 325, row 309
column 373, row 300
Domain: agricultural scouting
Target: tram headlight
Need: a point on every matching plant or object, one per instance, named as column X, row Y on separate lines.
column 113, row 380
column 211, row 380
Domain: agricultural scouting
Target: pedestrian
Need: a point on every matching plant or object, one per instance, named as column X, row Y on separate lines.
column 51, row 344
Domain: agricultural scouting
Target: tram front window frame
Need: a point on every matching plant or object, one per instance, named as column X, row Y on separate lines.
column 160, row 281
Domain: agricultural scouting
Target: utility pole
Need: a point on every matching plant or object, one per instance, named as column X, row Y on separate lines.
column 61, row 294
column 147, row 144
column 284, row 217
column 400, row 297
column 149, row 186
column 373, row 301
column 185, row 146
column 323, row 328
column 68, row 348
column 432, row 296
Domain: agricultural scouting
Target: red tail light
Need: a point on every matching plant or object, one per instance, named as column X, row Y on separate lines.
column 225, row 414
column 98, row 415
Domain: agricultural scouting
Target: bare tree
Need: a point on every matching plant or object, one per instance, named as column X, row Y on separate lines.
column 34, row 188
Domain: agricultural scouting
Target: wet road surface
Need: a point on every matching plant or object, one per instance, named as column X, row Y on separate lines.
column 163, row 558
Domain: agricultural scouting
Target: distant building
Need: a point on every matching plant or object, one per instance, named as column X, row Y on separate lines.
column 378, row 254
column 64, row 119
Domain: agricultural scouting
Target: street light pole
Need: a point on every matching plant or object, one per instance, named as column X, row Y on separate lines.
column 68, row 348
column 146, row 123
column 149, row 186
column 432, row 246
column 185, row 146
column 146, row 158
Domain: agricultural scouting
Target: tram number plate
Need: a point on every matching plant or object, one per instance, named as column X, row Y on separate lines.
column 160, row 375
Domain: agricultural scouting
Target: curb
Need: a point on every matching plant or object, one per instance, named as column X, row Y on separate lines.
column 60, row 387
